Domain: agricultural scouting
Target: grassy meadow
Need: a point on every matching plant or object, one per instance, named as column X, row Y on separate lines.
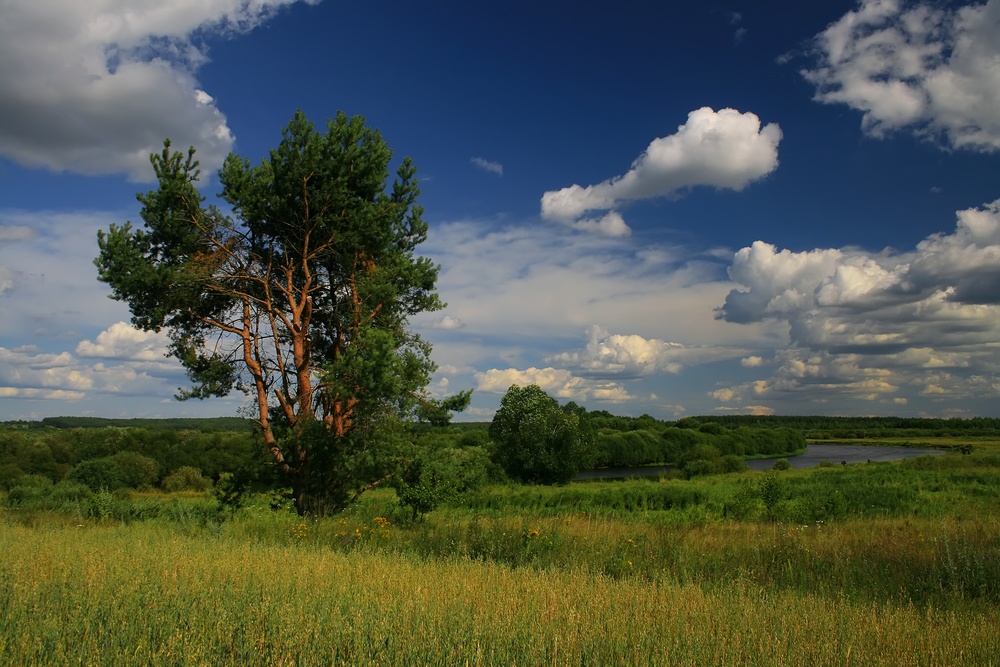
column 877, row 564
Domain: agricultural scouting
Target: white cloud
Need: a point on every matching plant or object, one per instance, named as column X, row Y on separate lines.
column 724, row 149
column 34, row 373
column 752, row 361
column 557, row 382
column 125, row 342
column 610, row 224
column 879, row 326
column 94, row 87
column 488, row 165
column 44, row 394
column 631, row 355
column 915, row 66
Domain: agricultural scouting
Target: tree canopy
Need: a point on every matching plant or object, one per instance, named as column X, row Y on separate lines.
column 297, row 292
column 536, row 441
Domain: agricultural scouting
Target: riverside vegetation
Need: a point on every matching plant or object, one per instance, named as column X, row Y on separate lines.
column 869, row 564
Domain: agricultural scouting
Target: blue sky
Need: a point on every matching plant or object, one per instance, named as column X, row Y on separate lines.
column 663, row 208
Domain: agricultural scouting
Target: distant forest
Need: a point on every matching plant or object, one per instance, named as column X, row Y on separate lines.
column 205, row 424
column 812, row 427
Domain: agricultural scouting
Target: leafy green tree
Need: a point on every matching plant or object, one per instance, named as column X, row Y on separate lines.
column 298, row 294
column 537, row 442
column 102, row 474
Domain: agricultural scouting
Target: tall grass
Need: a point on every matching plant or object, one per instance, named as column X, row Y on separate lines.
column 145, row 594
column 870, row 565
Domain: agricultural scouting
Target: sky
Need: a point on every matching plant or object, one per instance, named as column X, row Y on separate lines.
column 673, row 209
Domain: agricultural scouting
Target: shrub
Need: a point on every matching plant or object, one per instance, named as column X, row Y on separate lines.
column 98, row 474
column 186, row 478
column 733, row 463
column 68, row 491
column 771, row 492
column 441, row 476
column 781, row 464
column 138, row 471
column 29, row 490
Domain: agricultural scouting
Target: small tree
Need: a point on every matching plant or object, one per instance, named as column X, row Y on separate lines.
column 299, row 295
column 537, row 442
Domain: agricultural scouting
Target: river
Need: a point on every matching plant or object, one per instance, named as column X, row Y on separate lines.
column 813, row 455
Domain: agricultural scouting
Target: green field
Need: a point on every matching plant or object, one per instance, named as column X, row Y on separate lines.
column 883, row 564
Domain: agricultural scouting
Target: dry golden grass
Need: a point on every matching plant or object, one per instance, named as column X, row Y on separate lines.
column 150, row 594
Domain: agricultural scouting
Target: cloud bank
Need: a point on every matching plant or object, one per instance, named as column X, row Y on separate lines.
column 725, row 149
column 94, row 87
column 919, row 67
column 877, row 326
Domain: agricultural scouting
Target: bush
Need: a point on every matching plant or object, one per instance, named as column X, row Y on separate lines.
column 138, row 471
column 29, row 490
column 771, row 492
column 186, row 478
column 781, row 464
column 68, row 491
column 98, row 474
column 442, row 476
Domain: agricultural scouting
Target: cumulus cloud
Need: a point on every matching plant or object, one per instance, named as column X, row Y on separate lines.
column 123, row 341
column 29, row 373
column 915, row 66
column 557, row 382
column 878, row 326
column 725, row 149
column 94, row 87
column 632, row 355
column 488, row 165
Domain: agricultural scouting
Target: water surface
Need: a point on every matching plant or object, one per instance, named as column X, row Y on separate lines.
column 814, row 454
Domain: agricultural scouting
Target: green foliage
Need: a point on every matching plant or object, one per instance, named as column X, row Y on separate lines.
column 537, row 442
column 103, row 474
column 186, row 478
column 137, row 471
column 772, row 492
column 231, row 492
column 439, row 412
column 28, row 490
column 686, row 441
column 441, row 475
column 781, row 464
